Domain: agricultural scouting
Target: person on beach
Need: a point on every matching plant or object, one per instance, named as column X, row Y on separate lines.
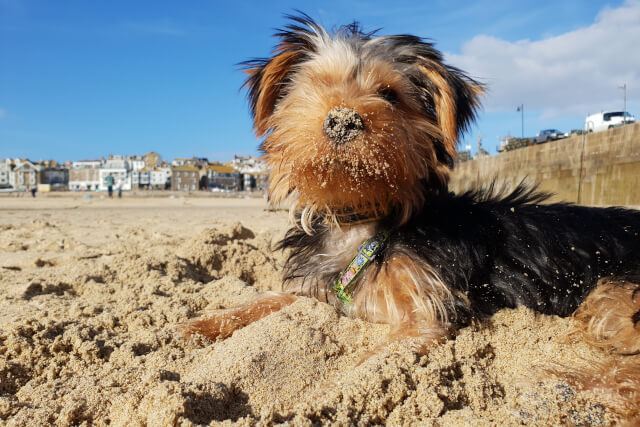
column 109, row 181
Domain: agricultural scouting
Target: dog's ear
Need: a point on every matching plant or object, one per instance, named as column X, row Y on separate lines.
column 456, row 98
column 268, row 77
column 266, row 82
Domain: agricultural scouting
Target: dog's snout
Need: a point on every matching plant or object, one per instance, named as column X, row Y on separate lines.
column 343, row 124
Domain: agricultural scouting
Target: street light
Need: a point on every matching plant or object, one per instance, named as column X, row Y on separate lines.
column 521, row 109
column 588, row 125
column 624, row 117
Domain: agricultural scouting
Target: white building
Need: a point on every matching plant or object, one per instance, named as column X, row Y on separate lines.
column 83, row 164
column 5, row 172
column 248, row 164
column 120, row 170
column 140, row 178
column 137, row 163
column 183, row 161
column 84, row 175
column 160, row 178
column 24, row 175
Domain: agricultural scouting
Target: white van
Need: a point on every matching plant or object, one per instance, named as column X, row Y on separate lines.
column 607, row 120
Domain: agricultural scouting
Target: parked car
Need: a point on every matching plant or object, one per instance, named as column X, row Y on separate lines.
column 607, row 120
column 548, row 135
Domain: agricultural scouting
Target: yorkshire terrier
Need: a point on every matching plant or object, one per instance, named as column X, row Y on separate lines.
column 360, row 135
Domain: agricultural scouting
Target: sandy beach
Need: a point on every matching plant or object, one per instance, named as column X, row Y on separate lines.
column 92, row 291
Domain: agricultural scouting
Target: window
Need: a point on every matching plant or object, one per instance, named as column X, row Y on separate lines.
column 607, row 116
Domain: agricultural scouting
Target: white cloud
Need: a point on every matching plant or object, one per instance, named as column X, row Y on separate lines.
column 572, row 73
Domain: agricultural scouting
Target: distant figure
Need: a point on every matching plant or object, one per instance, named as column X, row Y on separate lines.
column 34, row 190
column 120, row 191
column 109, row 181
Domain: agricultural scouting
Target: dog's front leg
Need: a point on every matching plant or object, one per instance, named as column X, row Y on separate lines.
column 407, row 294
column 224, row 322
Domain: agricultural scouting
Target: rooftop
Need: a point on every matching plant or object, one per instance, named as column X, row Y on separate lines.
column 221, row 168
column 185, row 168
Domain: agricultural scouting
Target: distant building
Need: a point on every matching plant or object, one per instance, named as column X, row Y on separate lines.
column 84, row 175
column 47, row 164
column 83, row 164
column 160, row 178
column 185, row 161
column 24, row 175
column 184, row 178
column 5, row 171
column 56, row 177
column 152, row 160
column 141, row 179
column 119, row 168
column 255, row 181
column 225, row 177
column 52, row 175
column 137, row 163
column 248, row 164
column 249, row 182
column 198, row 162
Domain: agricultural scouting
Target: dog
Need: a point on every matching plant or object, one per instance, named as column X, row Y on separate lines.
column 360, row 135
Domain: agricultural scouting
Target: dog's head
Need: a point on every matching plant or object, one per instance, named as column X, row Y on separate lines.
column 357, row 123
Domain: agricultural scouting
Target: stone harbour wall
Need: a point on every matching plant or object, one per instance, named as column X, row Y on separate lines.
column 600, row 168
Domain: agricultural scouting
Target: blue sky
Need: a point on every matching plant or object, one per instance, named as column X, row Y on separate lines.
column 84, row 79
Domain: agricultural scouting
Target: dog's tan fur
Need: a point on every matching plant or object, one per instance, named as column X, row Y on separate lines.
column 367, row 177
column 381, row 170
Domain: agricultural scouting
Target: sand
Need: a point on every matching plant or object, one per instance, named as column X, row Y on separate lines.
column 92, row 292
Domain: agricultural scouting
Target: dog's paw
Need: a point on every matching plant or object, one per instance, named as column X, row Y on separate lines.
column 224, row 323
column 217, row 326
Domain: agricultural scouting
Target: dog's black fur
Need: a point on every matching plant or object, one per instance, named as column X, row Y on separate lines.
column 503, row 251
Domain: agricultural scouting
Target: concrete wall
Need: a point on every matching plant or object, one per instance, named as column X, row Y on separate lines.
column 610, row 173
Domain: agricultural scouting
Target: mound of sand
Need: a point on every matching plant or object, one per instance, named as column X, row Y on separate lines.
column 91, row 299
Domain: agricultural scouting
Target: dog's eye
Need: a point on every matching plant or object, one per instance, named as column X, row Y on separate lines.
column 388, row 95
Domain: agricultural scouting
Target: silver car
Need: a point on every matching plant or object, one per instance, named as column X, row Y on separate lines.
column 548, row 135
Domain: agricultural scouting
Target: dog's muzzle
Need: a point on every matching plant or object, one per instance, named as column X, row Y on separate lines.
column 342, row 125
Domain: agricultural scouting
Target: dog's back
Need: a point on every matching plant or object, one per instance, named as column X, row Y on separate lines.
column 503, row 251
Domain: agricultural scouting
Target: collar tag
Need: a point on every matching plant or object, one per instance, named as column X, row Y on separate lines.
column 344, row 284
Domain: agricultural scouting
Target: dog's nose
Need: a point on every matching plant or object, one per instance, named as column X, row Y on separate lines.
column 343, row 124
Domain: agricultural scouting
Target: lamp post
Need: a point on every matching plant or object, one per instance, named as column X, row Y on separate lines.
column 624, row 117
column 587, row 125
column 521, row 109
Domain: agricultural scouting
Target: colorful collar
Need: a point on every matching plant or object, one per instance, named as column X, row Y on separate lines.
column 344, row 284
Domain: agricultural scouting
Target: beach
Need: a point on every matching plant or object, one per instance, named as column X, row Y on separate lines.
column 93, row 290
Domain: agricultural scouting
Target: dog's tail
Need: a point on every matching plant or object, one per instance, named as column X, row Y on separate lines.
column 609, row 318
